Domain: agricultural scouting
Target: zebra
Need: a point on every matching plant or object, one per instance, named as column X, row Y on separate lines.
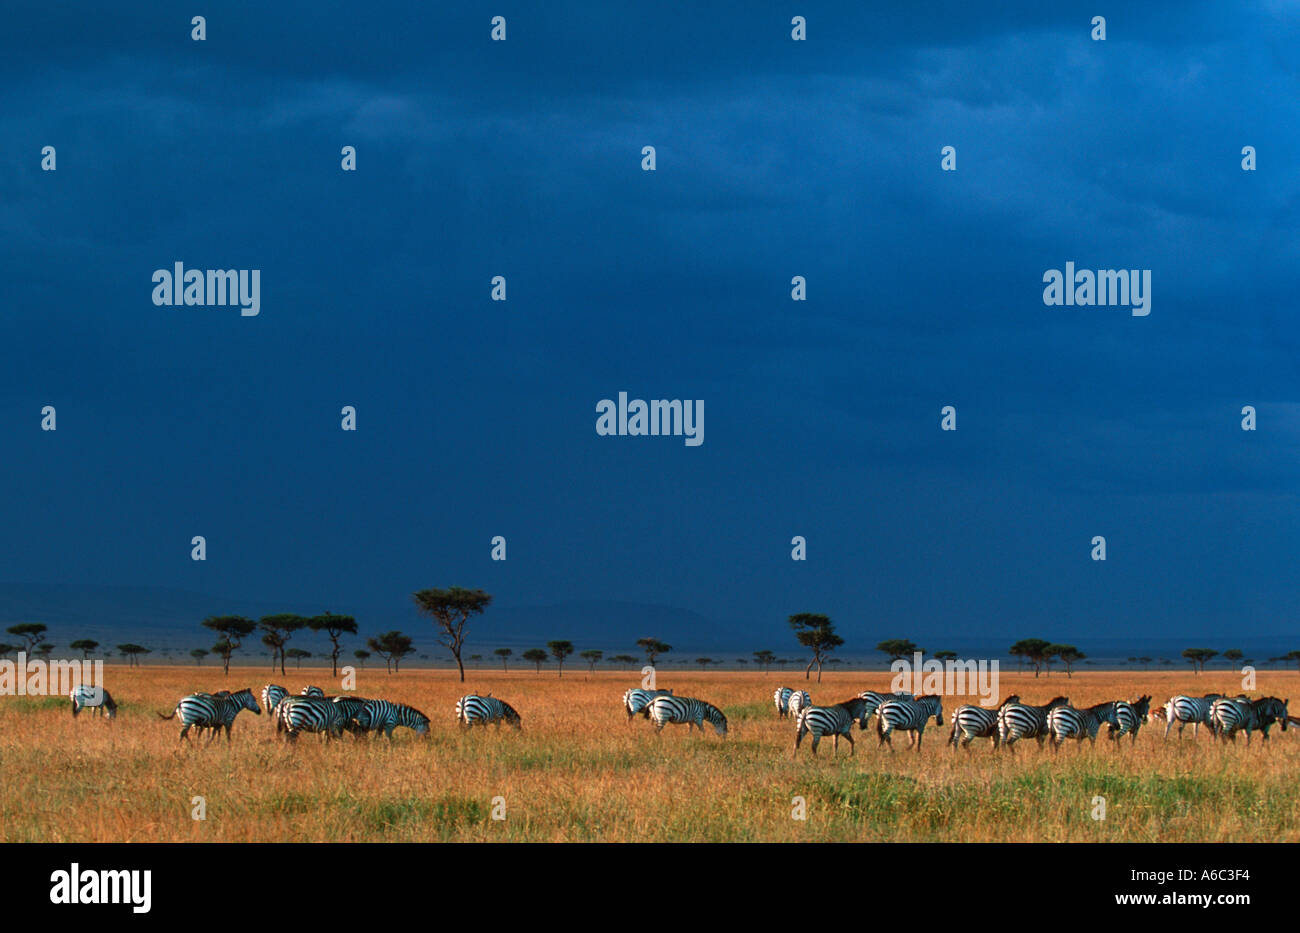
column 1020, row 721
column 350, row 707
column 908, row 716
column 637, row 701
column 272, row 694
column 799, row 701
column 1196, row 710
column 976, row 722
column 213, row 711
column 781, row 698
column 375, row 715
column 834, row 721
column 472, row 710
column 1129, row 716
column 310, row 691
column 874, row 699
column 96, row 698
column 1230, row 715
column 694, row 713
column 1066, row 722
column 309, row 714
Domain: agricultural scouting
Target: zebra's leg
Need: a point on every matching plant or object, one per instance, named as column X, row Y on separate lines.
column 920, row 733
column 816, row 740
column 835, row 744
column 853, row 749
column 185, row 728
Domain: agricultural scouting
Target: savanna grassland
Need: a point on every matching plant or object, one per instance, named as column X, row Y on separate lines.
column 579, row 772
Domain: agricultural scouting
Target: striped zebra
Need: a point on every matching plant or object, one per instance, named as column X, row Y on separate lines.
column 375, row 715
column 1018, row 721
column 1066, row 722
column 834, row 721
column 310, row 691
column 474, row 710
column 874, row 699
column 350, row 707
column 212, row 711
column 272, row 694
column 1229, row 716
column 976, row 722
column 1196, row 710
column 309, row 714
column 1129, row 716
column 96, row 698
column 781, row 698
column 694, row 713
column 907, row 716
column 799, row 701
column 636, row 701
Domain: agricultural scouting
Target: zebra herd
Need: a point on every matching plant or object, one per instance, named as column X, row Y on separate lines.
column 1055, row 721
column 329, row 716
column 662, row 708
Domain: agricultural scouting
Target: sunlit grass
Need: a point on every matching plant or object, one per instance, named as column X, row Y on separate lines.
column 578, row 771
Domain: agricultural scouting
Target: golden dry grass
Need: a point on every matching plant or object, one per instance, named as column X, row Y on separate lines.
column 579, row 772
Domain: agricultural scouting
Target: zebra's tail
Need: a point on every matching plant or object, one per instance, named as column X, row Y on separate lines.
column 171, row 715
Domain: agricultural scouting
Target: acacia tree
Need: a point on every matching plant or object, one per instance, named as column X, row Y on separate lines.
column 653, row 647
column 198, row 654
column 624, row 659
column 132, row 652
column 1069, row 656
column 815, row 632
column 560, row 650
column 897, row 649
column 85, row 646
column 361, row 654
column 504, row 655
column 1033, row 650
column 451, row 609
column 1198, row 657
column 592, row 656
column 392, row 647
column 233, row 630
column 279, row 629
column 32, row 634
column 537, row 656
column 298, row 654
column 335, row 627
column 764, row 659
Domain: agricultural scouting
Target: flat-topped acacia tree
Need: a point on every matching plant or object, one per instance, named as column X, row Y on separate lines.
column 233, row 630
column 335, row 627
column 450, row 610
column 815, row 632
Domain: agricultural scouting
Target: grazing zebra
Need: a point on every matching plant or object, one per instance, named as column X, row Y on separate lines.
column 474, row 710
column 907, row 716
column 1066, row 722
column 781, row 697
column 1019, row 721
column 1196, row 710
column 312, row 692
column 799, row 701
column 666, row 709
column 309, row 714
column 272, row 694
column 834, row 721
column 96, row 698
column 976, row 722
column 213, row 711
column 350, row 706
column 1129, row 716
column 1228, row 716
column 636, row 701
column 375, row 715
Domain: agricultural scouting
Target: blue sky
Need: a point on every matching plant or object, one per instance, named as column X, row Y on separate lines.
column 775, row 159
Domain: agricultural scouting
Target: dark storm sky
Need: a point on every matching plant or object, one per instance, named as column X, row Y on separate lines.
column 775, row 159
